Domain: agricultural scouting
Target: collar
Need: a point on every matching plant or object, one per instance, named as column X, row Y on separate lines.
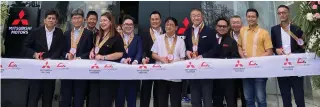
column 171, row 36
column 288, row 27
column 197, row 26
column 48, row 30
column 234, row 34
column 217, row 35
column 254, row 28
column 94, row 29
column 77, row 30
column 126, row 35
column 156, row 30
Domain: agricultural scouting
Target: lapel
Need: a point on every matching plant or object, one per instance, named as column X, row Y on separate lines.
column 278, row 36
column 43, row 38
column 292, row 41
column 81, row 39
column 201, row 34
column 54, row 38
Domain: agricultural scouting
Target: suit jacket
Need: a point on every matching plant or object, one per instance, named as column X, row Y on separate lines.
column 228, row 48
column 134, row 49
column 207, row 45
column 37, row 42
column 147, row 44
column 277, row 40
column 84, row 46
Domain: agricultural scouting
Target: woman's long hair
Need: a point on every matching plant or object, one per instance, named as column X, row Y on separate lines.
column 112, row 28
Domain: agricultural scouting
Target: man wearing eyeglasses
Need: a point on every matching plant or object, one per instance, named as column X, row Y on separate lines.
column 224, row 88
column 286, row 39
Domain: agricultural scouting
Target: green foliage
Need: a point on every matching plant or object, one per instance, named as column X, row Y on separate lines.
column 4, row 12
column 311, row 30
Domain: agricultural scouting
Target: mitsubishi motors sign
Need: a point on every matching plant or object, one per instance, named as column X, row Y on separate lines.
column 20, row 24
column 21, row 21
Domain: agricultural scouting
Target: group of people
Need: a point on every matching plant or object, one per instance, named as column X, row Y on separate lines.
column 115, row 43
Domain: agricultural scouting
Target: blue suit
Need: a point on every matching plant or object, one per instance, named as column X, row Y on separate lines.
column 128, row 88
column 287, row 83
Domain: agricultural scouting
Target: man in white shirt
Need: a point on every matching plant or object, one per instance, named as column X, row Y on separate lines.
column 168, row 49
column 285, row 40
column 45, row 42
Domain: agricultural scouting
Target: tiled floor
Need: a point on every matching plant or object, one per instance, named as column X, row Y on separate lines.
column 272, row 101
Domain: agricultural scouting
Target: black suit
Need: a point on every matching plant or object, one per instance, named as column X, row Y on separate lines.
column 147, row 84
column 207, row 45
column 76, row 88
column 37, row 42
column 288, row 83
column 224, row 88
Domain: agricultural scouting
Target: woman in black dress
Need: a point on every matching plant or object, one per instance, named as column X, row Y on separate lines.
column 108, row 47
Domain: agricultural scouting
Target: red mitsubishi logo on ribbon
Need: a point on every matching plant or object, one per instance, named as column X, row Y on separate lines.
column 143, row 67
column 185, row 23
column 287, row 62
column 46, row 65
column 95, row 66
column 23, row 21
column 190, row 65
column 239, row 64
column 12, row 64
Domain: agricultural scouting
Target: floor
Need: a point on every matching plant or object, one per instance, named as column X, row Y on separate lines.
column 272, row 101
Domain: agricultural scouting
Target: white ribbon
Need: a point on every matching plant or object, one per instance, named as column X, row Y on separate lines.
column 258, row 67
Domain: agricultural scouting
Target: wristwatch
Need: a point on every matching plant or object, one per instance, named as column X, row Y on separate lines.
column 104, row 57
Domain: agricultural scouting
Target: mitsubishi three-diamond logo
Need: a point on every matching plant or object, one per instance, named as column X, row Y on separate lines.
column 21, row 19
column 185, row 23
column 238, row 67
column 190, row 68
column 45, row 68
column 20, row 24
column 287, row 65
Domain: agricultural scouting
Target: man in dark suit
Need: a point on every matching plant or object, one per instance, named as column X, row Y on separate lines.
column 78, row 43
column 45, row 42
column 228, row 48
column 148, row 39
column 133, row 55
column 199, row 41
column 286, row 39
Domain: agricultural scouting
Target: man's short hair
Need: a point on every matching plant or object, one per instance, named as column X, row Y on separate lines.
column 52, row 12
column 173, row 19
column 77, row 12
column 235, row 16
column 284, row 6
column 128, row 17
column 92, row 13
column 155, row 12
column 252, row 10
column 222, row 18
column 197, row 9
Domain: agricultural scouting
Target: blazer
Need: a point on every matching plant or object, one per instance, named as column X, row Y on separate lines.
column 207, row 42
column 228, row 48
column 37, row 42
column 147, row 44
column 84, row 46
column 277, row 41
column 134, row 49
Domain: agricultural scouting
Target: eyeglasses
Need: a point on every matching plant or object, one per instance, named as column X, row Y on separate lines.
column 128, row 25
column 282, row 13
